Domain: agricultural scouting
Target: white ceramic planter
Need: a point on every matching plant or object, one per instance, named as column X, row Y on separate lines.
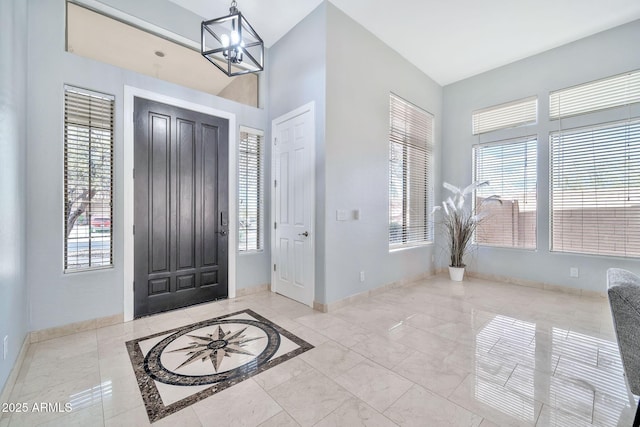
column 456, row 273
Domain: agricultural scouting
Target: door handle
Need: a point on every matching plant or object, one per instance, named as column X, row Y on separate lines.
column 305, row 234
column 222, row 232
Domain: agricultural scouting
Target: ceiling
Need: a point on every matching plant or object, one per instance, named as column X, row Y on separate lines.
column 449, row 40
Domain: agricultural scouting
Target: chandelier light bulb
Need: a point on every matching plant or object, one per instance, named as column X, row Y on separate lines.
column 224, row 39
column 235, row 37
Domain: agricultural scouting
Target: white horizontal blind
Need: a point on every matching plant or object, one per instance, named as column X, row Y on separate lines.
column 611, row 92
column 595, row 190
column 511, row 114
column 510, row 167
column 410, row 173
column 88, row 179
column 250, row 190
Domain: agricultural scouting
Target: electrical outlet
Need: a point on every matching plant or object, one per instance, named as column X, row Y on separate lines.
column 362, row 276
column 5, row 347
column 573, row 272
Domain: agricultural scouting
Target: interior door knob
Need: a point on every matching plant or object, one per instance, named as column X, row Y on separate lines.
column 305, row 234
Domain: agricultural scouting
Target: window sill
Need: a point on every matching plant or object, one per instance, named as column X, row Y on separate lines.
column 401, row 248
column 89, row 270
column 253, row 252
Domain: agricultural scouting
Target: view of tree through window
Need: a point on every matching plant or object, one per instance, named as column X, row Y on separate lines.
column 88, row 179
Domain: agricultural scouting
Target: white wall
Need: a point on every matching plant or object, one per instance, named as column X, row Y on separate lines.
column 602, row 55
column 349, row 73
column 13, row 291
column 57, row 298
column 361, row 73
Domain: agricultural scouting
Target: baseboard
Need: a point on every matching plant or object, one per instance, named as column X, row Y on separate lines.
column 243, row 292
column 534, row 284
column 13, row 375
column 72, row 328
column 336, row 305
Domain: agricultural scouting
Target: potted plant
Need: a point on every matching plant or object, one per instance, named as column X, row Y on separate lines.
column 460, row 222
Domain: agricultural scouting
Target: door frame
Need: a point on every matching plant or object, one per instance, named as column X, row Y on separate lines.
column 310, row 107
column 130, row 93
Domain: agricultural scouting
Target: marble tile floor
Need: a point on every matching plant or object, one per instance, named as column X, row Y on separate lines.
column 477, row 353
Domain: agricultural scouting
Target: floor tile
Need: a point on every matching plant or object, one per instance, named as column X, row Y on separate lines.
column 496, row 403
column 561, row 393
column 89, row 417
column 120, row 395
column 556, row 417
column 331, row 358
column 134, row 417
column 383, row 351
column 613, row 411
column 282, row 373
column 420, row 407
column 431, row 344
column 281, row 419
column 245, row 404
column 354, row 413
column 310, row 397
column 377, row 386
column 429, row 353
column 184, row 418
column 433, row 376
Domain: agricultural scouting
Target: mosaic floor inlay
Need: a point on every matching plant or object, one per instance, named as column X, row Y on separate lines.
column 182, row 366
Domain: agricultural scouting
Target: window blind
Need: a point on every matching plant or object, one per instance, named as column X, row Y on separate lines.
column 611, row 92
column 410, row 173
column 510, row 167
column 511, row 114
column 250, row 190
column 88, row 179
column 595, row 189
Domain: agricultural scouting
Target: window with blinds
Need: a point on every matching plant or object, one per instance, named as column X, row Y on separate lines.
column 250, row 190
column 623, row 89
column 510, row 168
column 410, row 170
column 595, row 189
column 511, row 114
column 88, row 179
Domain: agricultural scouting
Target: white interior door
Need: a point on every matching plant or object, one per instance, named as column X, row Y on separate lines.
column 294, row 205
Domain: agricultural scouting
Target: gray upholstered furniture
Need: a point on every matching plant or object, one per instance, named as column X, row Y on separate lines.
column 623, row 288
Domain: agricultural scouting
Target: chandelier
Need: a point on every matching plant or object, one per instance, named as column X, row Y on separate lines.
column 231, row 44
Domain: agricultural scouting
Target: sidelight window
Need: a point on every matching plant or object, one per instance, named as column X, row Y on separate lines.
column 88, row 179
column 251, row 190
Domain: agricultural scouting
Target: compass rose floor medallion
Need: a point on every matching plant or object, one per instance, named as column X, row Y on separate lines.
column 182, row 366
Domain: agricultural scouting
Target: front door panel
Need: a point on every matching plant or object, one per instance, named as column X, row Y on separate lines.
column 181, row 204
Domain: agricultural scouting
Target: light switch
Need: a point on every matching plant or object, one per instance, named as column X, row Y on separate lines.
column 341, row 215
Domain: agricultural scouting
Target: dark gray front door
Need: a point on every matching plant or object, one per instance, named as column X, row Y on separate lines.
column 181, row 207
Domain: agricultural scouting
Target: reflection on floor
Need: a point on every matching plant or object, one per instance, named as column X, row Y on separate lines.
column 432, row 353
